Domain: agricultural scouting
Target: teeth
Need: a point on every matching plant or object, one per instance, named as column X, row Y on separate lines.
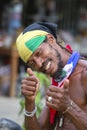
column 48, row 65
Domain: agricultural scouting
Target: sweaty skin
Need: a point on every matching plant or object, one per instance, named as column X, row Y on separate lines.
column 74, row 88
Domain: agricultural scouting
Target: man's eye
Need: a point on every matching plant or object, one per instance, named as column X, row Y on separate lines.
column 31, row 65
column 38, row 53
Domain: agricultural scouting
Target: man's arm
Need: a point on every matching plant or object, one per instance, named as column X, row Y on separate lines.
column 29, row 88
column 77, row 116
column 61, row 101
column 32, row 123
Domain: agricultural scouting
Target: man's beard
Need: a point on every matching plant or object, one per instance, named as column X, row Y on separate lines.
column 58, row 72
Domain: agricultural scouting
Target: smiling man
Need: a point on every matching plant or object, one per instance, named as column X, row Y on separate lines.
column 66, row 98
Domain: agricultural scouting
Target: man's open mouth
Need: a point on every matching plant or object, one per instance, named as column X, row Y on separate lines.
column 46, row 66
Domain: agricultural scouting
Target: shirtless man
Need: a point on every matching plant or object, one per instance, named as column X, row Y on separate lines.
column 66, row 106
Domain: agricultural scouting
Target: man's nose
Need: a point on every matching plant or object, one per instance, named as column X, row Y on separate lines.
column 39, row 62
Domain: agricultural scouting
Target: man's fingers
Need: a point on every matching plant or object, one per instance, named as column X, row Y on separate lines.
column 30, row 72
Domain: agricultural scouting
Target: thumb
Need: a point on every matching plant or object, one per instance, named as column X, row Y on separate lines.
column 66, row 83
column 30, row 72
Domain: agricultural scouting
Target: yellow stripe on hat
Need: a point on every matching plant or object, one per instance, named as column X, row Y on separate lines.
column 31, row 34
column 23, row 51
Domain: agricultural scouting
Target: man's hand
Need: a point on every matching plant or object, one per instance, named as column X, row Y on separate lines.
column 60, row 96
column 30, row 86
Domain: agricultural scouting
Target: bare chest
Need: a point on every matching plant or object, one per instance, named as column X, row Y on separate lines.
column 76, row 90
column 78, row 95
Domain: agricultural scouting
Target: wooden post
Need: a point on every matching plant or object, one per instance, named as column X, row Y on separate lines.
column 14, row 72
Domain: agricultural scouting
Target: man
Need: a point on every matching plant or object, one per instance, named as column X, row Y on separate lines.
column 66, row 98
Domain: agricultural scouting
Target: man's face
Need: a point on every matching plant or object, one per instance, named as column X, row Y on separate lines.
column 46, row 59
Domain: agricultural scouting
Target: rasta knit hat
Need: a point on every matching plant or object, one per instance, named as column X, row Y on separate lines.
column 32, row 36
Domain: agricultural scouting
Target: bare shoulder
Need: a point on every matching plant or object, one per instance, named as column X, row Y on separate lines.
column 84, row 74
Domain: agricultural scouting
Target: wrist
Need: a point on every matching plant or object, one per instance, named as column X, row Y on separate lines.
column 30, row 113
column 29, row 106
column 70, row 106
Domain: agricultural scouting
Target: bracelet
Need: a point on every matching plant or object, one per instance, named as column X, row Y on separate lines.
column 30, row 114
column 69, row 107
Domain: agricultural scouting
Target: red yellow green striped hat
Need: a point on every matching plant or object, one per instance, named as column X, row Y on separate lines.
column 27, row 43
column 31, row 38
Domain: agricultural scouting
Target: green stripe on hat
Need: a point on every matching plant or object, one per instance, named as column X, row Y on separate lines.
column 34, row 43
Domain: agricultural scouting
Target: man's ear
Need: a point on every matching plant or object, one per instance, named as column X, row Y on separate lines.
column 51, row 38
